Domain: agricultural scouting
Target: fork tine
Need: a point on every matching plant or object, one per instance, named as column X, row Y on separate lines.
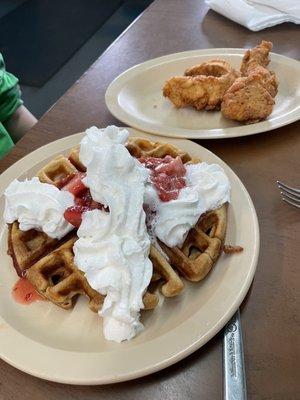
column 290, row 192
column 283, row 187
column 291, row 202
column 291, row 196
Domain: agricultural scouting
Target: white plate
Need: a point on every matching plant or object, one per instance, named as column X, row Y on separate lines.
column 68, row 346
column 135, row 97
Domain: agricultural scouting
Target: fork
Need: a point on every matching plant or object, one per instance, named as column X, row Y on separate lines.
column 289, row 195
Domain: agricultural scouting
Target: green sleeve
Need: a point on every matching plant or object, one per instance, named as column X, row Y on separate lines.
column 10, row 94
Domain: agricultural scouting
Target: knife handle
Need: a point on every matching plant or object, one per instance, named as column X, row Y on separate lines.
column 234, row 380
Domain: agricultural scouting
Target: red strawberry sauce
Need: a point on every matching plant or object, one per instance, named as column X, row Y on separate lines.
column 82, row 198
column 24, row 292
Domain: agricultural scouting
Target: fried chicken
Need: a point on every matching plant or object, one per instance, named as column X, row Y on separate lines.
column 201, row 92
column 255, row 61
column 203, row 87
column 247, row 100
column 215, row 68
column 246, row 95
column 250, row 98
column 268, row 79
column 259, row 55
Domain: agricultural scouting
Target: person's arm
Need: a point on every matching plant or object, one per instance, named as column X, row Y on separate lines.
column 14, row 117
column 19, row 123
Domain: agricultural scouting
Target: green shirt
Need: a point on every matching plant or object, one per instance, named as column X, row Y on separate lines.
column 10, row 100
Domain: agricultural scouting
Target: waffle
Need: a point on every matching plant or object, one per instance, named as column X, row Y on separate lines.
column 57, row 278
column 56, row 170
column 163, row 270
column 25, row 248
column 202, row 246
column 139, row 147
column 74, row 159
column 50, row 263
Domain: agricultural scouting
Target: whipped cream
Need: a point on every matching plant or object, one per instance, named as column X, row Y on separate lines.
column 207, row 188
column 37, row 205
column 113, row 247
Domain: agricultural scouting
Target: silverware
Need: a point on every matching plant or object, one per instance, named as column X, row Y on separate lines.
column 289, row 195
column 234, row 380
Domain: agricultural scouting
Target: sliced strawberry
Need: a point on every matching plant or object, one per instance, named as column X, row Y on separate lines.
column 74, row 215
column 75, row 185
column 174, row 167
column 168, row 195
column 167, row 175
column 153, row 162
column 83, row 202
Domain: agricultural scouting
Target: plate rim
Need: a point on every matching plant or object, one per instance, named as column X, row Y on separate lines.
column 184, row 352
column 118, row 112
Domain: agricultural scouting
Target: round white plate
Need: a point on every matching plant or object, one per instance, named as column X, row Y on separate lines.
column 68, row 346
column 135, row 97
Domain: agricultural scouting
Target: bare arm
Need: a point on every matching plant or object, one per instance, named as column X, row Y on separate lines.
column 20, row 123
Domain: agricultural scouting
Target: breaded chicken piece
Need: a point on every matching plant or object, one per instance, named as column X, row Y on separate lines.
column 247, row 100
column 268, row 79
column 202, row 92
column 203, row 85
column 212, row 68
column 259, row 55
column 250, row 98
column 255, row 61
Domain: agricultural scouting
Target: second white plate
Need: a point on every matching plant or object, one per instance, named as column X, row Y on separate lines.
column 135, row 97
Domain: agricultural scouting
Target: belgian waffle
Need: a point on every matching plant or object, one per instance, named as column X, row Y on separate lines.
column 57, row 278
column 56, row 170
column 25, row 248
column 50, row 263
column 202, row 246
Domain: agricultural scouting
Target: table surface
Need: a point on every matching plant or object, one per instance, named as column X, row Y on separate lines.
column 270, row 312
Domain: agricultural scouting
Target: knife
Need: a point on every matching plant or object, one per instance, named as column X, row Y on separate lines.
column 234, row 380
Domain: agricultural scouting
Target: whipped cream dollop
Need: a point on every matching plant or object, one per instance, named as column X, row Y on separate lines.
column 207, row 188
column 37, row 205
column 113, row 247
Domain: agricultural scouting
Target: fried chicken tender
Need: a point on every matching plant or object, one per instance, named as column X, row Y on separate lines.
column 215, row 68
column 247, row 100
column 203, row 87
column 201, row 92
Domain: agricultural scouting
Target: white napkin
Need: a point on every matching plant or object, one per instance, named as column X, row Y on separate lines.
column 258, row 14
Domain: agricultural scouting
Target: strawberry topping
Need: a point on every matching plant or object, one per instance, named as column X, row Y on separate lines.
column 63, row 181
column 82, row 198
column 75, row 184
column 73, row 215
column 167, row 175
